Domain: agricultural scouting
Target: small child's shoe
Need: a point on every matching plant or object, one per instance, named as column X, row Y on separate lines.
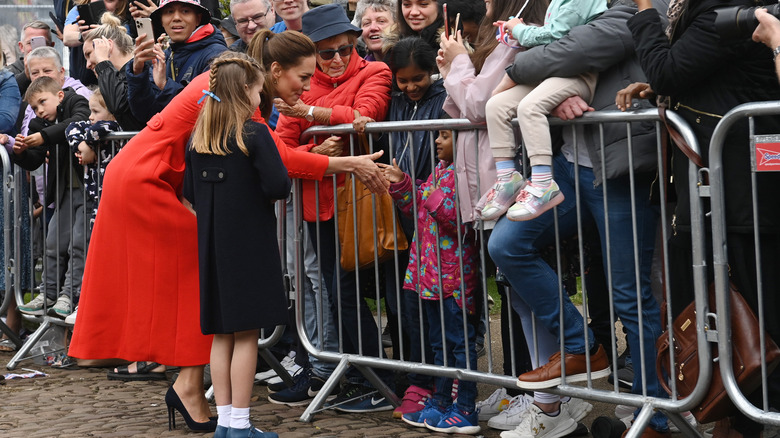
column 500, row 197
column 250, row 432
column 431, row 413
column 457, row 421
column 533, row 201
column 413, row 401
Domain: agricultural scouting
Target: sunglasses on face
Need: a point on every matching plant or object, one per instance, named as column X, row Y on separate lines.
column 329, row 54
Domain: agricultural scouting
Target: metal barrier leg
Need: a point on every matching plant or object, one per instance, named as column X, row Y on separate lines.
column 379, row 385
column 276, row 365
column 31, row 341
column 641, row 421
column 327, row 388
column 10, row 334
column 685, row 427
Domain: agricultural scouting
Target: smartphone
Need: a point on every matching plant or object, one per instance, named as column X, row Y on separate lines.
column 144, row 26
column 446, row 20
column 91, row 12
column 36, row 42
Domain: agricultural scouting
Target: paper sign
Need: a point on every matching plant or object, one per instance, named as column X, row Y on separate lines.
column 767, row 153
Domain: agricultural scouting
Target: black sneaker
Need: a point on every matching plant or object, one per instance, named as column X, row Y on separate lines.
column 359, row 398
column 304, row 390
column 349, row 392
column 625, row 376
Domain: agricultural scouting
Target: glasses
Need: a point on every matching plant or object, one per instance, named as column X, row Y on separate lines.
column 256, row 19
column 329, row 54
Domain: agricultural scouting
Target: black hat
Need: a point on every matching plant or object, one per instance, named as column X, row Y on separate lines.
column 327, row 21
column 205, row 16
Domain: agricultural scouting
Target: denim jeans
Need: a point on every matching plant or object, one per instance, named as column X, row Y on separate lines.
column 452, row 317
column 358, row 326
column 514, row 248
column 313, row 298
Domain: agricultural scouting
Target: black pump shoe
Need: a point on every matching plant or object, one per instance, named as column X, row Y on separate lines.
column 173, row 401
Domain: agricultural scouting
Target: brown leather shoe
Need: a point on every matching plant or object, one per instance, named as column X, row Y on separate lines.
column 549, row 374
column 649, row 432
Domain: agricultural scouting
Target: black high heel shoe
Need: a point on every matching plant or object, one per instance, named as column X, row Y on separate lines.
column 173, row 401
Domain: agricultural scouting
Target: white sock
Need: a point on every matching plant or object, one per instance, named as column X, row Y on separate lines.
column 223, row 415
column 239, row 418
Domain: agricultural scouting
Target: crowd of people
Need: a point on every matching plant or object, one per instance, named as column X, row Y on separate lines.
column 180, row 266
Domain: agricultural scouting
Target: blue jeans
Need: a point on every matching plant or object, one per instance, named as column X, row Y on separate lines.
column 514, row 248
column 456, row 351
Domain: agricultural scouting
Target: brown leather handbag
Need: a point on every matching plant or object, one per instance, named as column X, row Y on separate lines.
column 364, row 212
column 746, row 359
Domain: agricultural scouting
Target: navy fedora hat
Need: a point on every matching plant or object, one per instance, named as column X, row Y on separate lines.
column 327, row 21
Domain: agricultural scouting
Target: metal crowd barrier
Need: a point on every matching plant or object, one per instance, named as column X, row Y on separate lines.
column 369, row 362
column 764, row 157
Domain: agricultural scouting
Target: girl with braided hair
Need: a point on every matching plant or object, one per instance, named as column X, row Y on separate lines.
column 233, row 175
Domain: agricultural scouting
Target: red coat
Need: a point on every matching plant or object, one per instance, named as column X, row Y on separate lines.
column 139, row 298
column 365, row 87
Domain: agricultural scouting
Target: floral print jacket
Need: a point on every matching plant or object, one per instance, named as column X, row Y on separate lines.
column 437, row 222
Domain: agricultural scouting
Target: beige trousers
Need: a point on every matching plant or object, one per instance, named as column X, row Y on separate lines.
column 531, row 105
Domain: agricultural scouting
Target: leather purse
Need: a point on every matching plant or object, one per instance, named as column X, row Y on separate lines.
column 746, row 360
column 364, row 212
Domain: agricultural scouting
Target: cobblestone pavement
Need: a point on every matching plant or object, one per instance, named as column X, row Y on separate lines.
column 84, row 403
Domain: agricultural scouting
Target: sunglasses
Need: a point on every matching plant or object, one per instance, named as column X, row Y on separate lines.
column 329, row 54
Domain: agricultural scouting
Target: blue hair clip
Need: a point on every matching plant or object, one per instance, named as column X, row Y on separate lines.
column 210, row 94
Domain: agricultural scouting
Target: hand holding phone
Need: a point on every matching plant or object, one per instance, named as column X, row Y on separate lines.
column 446, row 20
column 144, row 26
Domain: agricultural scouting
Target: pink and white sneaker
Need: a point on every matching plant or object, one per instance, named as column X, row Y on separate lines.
column 500, row 197
column 413, row 401
column 533, row 201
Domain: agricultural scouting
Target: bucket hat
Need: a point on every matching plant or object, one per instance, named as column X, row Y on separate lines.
column 327, row 21
column 205, row 17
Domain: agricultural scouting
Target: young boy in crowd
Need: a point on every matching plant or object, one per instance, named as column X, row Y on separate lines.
column 66, row 243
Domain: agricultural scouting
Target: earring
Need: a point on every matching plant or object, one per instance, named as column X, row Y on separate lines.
column 275, row 81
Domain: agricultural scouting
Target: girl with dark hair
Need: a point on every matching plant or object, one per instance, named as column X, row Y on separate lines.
column 416, row 96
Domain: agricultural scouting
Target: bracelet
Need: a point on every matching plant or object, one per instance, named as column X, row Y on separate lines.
column 775, row 52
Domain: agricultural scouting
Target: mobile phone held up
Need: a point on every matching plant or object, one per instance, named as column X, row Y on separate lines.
column 144, row 26
column 91, row 12
column 36, row 42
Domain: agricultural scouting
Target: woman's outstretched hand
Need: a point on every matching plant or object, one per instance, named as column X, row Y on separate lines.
column 369, row 172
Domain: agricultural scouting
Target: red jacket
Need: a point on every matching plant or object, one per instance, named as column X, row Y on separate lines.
column 365, row 87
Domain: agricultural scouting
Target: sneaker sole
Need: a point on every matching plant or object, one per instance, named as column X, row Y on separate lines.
column 548, row 206
column 552, row 383
column 360, row 411
column 290, row 403
column 412, row 423
column 502, row 426
column 468, row 430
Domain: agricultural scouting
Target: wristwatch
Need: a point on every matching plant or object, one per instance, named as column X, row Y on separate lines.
column 775, row 52
column 310, row 114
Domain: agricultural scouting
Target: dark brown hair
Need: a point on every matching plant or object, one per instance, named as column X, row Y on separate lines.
column 502, row 10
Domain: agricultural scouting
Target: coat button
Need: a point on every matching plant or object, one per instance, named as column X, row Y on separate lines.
column 221, row 175
column 155, row 123
column 205, row 174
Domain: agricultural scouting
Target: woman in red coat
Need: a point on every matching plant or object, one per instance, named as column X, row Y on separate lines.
column 344, row 88
column 140, row 298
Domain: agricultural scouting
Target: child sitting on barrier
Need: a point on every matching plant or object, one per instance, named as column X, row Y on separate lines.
column 233, row 175
column 86, row 142
column 441, row 236
column 531, row 104
column 66, row 244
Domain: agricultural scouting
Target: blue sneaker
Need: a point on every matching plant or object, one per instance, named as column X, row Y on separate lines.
column 250, row 432
column 370, row 401
column 305, row 389
column 457, row 421
column 430, row 413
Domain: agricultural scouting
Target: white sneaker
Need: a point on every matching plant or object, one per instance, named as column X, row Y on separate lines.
column 287, row 362
column 513, row 414
column 577, row 408
column 623, row 411
column 36, row 307
column 491, row 406
column 688, row 416
column 292, row 370
column 62, row 308
column 537, row 424
column 71, row 319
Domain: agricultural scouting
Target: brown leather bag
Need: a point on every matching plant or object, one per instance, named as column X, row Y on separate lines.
column 365, row 212
column 745, row 344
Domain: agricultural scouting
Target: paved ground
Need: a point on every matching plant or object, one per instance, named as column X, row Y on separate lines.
column 83, row 403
